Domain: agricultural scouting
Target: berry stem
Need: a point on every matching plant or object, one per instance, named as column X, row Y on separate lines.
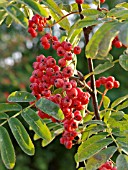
column 105, row 91
column 63, row 18
column 86, row 31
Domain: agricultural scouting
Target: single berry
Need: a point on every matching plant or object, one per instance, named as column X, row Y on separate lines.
column 118, row 44
column 79, row 1
column 77, row 50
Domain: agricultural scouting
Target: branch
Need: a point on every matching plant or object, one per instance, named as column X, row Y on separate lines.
column 86, row 32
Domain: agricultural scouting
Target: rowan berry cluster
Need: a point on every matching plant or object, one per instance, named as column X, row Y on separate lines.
column 36, row 24
column 117, row 43
column 107, row 166
column 48, row 75
column 108, row 82
column 63, row 49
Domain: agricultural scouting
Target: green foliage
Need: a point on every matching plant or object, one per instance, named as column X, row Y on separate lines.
column 7, row 149
column 98, row 139
column 21, row 136
column 53, row 109
column 21, row 96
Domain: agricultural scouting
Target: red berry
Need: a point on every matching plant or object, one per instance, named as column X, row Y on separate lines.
column 67, row 71
column 68, row 144
column 72, row 93
column 77, row 50
column 110, row 78
column 116, row 84
column 58, row 83
column 60, row 51
column 68, row 56
column 62, row 62
column 46, row 46
column 109, row 85
column 44, row 40
column 51, row 62
column 54, row 38
column 118, row 44
column 98, row 83
column 79, row 1
column 68, row 46
column 102, row 1
column 67, row 86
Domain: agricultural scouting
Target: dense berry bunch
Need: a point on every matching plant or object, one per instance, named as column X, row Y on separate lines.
column 36, row 24
column 64, row 49
column 71, row 100
column 107, row 166
column 108, row 82
column 117, row 43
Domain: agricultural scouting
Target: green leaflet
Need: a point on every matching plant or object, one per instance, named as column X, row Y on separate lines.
column 103, row 67
column 36, row 124
column 101, row 41
column 93, row 12
column 3, row 15
column 123, row 35
column 118, row 101
column 36, row 7
column 91, row 146
column 3, row 115
column 88, row 21
column 57, row 12
column 123, row 61
column 122, row 162
column 120, row 12
column 7, row 107
column 21, row 136
column 21, row 96
column 100, row 158
column 7, row 149
column 106, row 102
column 50, row 108
column 3, row 3
column 16, row 14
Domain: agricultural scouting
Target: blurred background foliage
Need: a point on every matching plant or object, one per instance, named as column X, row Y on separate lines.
column 17, row 53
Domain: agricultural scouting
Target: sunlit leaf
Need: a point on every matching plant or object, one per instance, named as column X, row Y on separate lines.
column 123, row 35
column 118, row 101
column 122, row 162
column 50, row 108
column 103, row 67
column 17, row 15
column 100, row 43
column 3, row 15
column 7, row 149
column 100, row 158
column 36, row 124
column 123, row 61
column 21, row 136
column 36, row 7
column 106, row 102
column 118, row 13
column 21, row 96
column 91, row 146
